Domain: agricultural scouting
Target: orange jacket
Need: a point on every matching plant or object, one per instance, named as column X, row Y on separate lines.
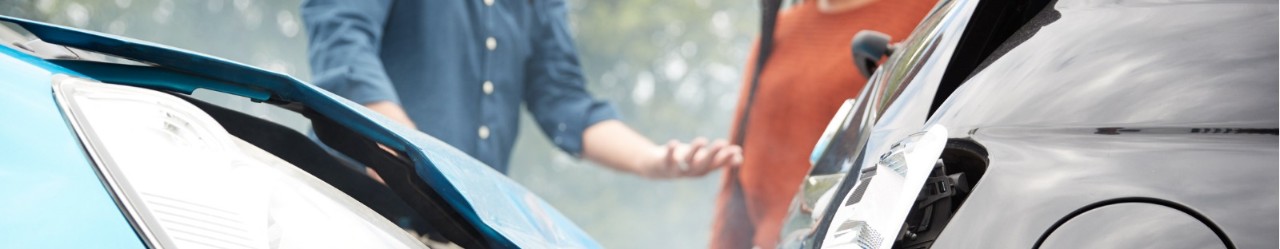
column 809, row 73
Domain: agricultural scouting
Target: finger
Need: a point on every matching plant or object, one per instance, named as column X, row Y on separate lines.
column 714, row 160
column 694, row 147
column 670, row 162
column 670, row 156
column 730, row 156
column 704, row 160
column 726, row 157
column 693, row 157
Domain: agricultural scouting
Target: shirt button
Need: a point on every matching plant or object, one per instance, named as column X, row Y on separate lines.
column 491, row 43
column 484, row 132
column 488, row 87
column 488, row 2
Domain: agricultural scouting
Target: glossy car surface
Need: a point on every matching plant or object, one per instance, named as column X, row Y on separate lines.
column 485, row 208
column 47, row 178
column 918, row 62
column 1180, row 107
column 1098, row 124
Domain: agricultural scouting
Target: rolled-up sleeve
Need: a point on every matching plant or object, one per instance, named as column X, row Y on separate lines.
column 556, row 93
column 344, row 38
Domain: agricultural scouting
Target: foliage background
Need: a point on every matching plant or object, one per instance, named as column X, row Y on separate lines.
column 672, row 68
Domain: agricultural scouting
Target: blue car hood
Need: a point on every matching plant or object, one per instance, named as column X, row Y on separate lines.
column 502, row 210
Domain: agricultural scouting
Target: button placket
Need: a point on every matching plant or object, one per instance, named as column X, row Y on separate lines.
column 487, row 102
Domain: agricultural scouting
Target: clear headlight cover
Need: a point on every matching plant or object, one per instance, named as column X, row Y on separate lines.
column 187, row 183
column 872, row 214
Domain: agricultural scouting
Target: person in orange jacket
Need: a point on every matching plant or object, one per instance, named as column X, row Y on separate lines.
column 805, row 77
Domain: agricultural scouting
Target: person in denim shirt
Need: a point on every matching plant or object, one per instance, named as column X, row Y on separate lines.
column 460, row 69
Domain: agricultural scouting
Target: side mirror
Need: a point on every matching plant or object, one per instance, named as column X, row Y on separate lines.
column 868, row 47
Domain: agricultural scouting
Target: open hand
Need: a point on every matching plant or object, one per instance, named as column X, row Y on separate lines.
column 695, row 159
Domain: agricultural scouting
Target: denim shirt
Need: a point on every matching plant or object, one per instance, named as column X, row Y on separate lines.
column 460, row 68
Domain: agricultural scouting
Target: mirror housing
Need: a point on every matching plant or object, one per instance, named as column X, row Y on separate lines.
column 868, row 48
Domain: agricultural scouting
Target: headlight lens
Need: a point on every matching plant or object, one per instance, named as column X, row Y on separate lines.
column 187, row 183
column 872, row 214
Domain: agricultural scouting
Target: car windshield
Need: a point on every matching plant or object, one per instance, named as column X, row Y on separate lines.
column 907, row 62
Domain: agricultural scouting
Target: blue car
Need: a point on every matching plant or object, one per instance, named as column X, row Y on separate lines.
column 102, row 146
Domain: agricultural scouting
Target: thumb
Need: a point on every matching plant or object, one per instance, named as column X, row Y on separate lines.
column 669, row 158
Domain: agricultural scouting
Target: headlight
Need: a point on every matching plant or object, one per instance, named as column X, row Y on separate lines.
column 186, row 183
column 872, row 214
